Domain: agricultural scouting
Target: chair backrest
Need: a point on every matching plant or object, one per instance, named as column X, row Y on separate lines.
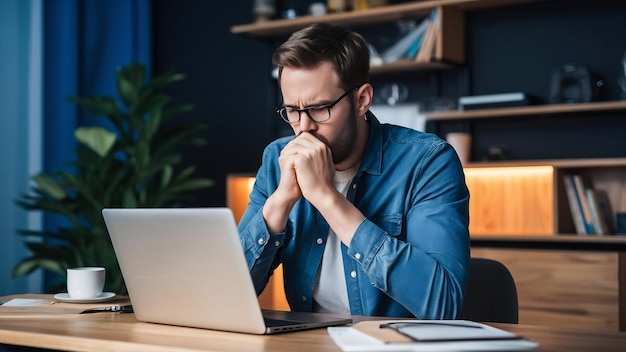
column 491, row 295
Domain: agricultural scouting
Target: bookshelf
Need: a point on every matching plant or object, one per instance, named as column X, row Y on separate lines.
column 537, row 205
column 528, row 198
column 450, row 43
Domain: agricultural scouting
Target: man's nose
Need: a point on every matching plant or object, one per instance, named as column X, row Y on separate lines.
column 306, row 123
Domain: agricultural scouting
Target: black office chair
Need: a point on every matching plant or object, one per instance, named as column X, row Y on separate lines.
column 491, row 295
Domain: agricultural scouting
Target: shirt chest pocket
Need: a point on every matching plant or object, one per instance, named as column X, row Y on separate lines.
column 390, row 223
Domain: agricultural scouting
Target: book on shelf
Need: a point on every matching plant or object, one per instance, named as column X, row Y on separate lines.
column 429, row 41
column 574, row 204
column 584, row 202
column 415, row 47
column 409, row 43
column 600, row 211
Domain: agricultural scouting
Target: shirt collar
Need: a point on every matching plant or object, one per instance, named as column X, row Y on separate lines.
column 373, row 156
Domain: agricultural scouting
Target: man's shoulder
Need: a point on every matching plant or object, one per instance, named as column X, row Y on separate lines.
column 279, row 143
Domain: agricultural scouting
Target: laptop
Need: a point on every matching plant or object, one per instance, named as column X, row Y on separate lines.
column 186, row 267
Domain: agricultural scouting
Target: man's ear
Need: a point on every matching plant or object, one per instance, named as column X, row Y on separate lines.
column 363, row 99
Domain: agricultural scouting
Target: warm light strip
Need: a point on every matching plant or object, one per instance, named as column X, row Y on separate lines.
column 511, row 200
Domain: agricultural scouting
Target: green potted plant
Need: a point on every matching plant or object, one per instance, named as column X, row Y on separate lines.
column 131, row 160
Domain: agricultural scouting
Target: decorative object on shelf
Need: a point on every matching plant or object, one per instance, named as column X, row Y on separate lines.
column 360, row 5
column 133, row 162
column 317, row 9
column 436, row 105
column 496, row 153
column 375, row 58
column 501, row 100
column 462, row 144
column 264, row 10
column 292, row 9
column 573, row 83
column 393, row 93
column 337, row 6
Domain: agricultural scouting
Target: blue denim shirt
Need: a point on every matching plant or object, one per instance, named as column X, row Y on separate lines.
column 408, row 258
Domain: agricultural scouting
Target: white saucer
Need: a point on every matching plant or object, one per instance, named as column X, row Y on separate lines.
column 65, row 297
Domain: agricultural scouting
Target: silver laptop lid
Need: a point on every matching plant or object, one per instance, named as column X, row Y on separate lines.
column 185, row 267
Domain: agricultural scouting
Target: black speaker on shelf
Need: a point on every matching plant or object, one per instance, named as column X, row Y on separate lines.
column 572, row 84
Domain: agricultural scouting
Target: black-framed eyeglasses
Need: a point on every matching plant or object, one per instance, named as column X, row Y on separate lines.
column 319, row 113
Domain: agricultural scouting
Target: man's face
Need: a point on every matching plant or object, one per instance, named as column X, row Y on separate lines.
column 302, row 88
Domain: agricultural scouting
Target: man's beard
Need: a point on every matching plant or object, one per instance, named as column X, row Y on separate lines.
column 345, row 143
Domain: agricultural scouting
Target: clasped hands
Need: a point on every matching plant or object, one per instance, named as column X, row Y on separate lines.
column 307, row 169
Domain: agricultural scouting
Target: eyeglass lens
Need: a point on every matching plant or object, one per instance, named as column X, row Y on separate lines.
column 317, row 114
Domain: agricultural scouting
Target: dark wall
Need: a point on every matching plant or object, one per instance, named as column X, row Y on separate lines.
column 518, row 48
column 228, row 81
column 508, row 49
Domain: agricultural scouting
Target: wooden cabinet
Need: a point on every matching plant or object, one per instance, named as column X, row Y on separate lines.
column 529, row 197
column 564, row 287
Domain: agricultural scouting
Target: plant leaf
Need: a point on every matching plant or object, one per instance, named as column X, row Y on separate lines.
column 98, row 139
column 50, row 186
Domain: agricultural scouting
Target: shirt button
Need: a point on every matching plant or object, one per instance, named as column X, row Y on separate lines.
column 354, row 186
column 319, row 241
column 353, row 274
column 277, row 243
column 357, row 256
column 303, row 298
column 261, row 241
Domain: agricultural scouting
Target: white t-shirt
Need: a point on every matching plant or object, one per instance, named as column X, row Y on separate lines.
column 330, row 293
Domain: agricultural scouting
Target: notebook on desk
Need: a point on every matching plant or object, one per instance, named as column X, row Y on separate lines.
column 185, row 266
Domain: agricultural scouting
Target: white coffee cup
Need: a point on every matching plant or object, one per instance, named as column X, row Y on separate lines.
column 462, row 144
column 85, row 282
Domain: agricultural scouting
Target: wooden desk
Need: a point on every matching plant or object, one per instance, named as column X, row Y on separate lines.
column 122, row 332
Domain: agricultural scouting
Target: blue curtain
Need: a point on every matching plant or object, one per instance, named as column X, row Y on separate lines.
column 81, row 44
column 85, row 42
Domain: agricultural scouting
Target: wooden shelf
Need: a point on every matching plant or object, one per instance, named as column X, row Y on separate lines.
column 533, row 110
column 560, row 239
column 408, row 65
column 366, row 17
column 558, row 163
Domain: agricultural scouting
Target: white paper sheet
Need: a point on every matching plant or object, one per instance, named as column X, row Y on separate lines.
column 352, row 340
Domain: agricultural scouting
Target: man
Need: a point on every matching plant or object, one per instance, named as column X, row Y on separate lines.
column 367, row 219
